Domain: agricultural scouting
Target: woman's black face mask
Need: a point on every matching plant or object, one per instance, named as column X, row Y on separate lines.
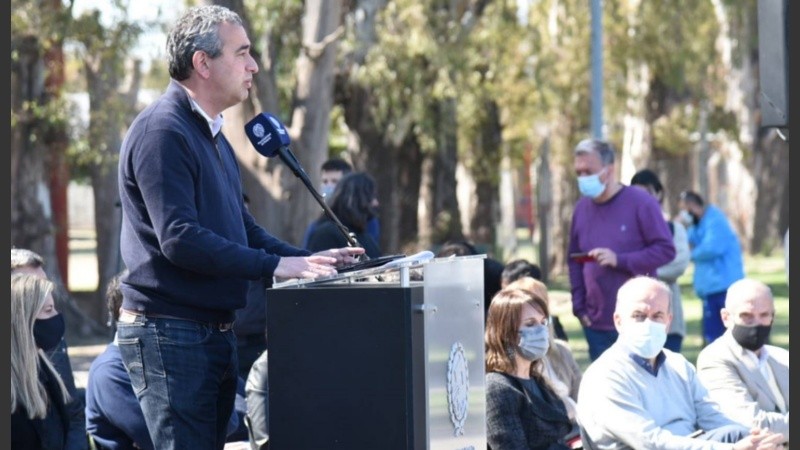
column 48, row 332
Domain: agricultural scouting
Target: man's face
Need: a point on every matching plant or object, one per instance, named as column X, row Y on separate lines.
column 231, row 73
column 651, row 303
column 689, row 207
column 755, row 309
column 587, row 163
column 330, row 179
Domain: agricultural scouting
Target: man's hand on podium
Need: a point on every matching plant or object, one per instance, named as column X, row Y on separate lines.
column 344, row 256
column 320, row 264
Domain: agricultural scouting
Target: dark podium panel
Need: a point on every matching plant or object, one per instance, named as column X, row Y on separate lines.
column 357, row 364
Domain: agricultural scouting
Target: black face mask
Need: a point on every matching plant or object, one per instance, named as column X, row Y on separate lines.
column 751, row 338
column 48, row 332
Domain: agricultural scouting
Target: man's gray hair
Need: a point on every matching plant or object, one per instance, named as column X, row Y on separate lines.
column 21, row 257
column 631, row 290
column 196, row 30
column 603, row 149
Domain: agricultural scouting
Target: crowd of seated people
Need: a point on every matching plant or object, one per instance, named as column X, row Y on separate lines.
column 637, row 394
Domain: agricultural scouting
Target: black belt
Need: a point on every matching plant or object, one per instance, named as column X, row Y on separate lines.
column 130, row 317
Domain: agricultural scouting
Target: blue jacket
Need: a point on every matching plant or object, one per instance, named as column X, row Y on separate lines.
column 187, row 240
column 716, row 253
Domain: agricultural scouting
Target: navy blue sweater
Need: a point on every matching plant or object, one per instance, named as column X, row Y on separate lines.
column 187, row 240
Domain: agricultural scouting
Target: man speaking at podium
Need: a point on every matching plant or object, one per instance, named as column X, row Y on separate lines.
column 187, row 241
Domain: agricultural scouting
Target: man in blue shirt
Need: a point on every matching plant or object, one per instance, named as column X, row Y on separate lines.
column 717, row 257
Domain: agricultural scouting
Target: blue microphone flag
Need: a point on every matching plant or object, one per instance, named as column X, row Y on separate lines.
column 267, row 134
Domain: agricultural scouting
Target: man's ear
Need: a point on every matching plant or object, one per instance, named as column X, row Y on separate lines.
column 726, row 317
column 200, row 63
column 617, row 321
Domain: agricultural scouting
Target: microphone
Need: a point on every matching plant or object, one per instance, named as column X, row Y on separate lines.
column 270, row 138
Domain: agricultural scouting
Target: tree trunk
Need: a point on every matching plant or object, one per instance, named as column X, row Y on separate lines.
column 771, row 168
column 314, row 99
column 487, row 155
column 31, row 227
column 31, row 210
column 544, row 206
column 394, row 160
column 442, row 217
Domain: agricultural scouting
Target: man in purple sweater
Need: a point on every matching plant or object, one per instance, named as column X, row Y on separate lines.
column 617, row 232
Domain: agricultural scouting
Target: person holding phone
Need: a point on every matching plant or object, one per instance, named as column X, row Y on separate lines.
column 617, row 232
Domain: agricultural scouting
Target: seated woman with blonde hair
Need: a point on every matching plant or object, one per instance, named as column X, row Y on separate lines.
column 39, row 416
column 522, row 408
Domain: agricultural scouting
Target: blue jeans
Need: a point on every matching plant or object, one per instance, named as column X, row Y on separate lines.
column 184, row 375
column 599, row 341
column 712, row 321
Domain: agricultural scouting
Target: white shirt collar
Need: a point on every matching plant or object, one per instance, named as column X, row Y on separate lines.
column 760, row 359
column 215, row 124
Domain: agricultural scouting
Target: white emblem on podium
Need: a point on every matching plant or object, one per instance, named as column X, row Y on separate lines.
column 458, row 387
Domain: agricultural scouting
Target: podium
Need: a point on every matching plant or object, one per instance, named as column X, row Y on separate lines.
column 383, row 358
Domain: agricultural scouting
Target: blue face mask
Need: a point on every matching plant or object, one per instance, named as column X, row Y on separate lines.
column 534, row 342
column 591, row 186
column 327, row 191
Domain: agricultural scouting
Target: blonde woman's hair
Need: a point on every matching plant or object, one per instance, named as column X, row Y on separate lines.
column 502, row 329
column 28, row 295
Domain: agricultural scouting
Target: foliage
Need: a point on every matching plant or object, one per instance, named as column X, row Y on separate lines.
column 103, row 50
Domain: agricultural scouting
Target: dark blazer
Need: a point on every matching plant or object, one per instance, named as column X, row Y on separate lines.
column 76, row 433
column 48, row 433
column 517, row 419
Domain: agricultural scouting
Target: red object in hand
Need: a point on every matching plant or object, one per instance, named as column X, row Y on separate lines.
column 581, row 257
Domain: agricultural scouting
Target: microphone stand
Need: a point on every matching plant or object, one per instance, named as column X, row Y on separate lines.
column 288, row 158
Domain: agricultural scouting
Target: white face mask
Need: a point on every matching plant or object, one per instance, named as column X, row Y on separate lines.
column 645, row 338
column 686, row 217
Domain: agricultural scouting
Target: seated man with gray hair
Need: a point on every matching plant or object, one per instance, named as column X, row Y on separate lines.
column 638, row 394
column 748, row 378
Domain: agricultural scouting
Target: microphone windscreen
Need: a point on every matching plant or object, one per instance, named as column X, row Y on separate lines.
column 267, row 134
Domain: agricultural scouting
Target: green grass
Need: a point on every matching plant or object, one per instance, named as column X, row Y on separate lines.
column 768, row 269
